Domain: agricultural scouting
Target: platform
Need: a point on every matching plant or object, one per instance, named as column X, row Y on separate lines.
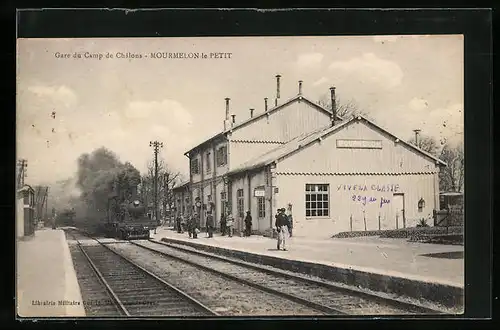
column 46, row 281
column 420, row 271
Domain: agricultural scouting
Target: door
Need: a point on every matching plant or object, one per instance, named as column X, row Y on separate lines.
column 398, row 204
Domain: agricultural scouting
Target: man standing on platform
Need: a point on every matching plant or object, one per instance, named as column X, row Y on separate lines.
column 194, row 225
column 223, row 223
column 290, row 218
column 210, row 225
column 189, row 225
column 178, row 223
column 230, row 224
column 282, row 226
column 248, row 224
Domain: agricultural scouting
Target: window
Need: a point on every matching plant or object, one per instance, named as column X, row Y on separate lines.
column 240, row 203
column 261, row 207
column 222, row 156
column 223, row 196
column 209, row 168
column 317, row 200
column 195, row 166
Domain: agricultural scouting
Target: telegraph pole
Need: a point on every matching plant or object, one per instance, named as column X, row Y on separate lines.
column 156, row 147
column 22, row 165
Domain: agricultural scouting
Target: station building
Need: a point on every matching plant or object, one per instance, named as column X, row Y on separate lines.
column 25, row 212
column 337, row 174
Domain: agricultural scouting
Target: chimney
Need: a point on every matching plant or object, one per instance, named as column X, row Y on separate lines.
column 227, row 107
column 226, row 120
column 265, row 103
column 277, row 88
column 417, row 132
column 233, row 121
column 300, row 87
column 251, row 113
column 334, row 105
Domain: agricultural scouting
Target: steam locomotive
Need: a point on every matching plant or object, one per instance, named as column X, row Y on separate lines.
column 128, row 219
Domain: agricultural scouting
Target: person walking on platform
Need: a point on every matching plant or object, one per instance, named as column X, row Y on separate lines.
column 230, row 224
column 282, row 227
column 223, row 224
column 248, row 224
column 210, row 225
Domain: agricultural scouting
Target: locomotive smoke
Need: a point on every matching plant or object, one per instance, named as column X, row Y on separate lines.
column 96, row 175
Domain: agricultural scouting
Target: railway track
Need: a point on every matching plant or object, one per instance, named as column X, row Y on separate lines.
column 322, row 296
column 113, row 285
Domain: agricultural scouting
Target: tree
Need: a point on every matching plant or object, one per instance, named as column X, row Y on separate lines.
column 344, row 109
column 167, row 179
column 426, row 143
column 451, row 178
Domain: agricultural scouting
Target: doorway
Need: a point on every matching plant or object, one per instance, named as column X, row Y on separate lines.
column 398, row 204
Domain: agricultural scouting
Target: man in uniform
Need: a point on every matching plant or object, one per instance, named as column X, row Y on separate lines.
column 194, row 225
column 282, row 227
column 210, row 225
column 248, row 224
column 189, row 225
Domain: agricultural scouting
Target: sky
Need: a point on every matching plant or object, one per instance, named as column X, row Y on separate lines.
column 68, row 106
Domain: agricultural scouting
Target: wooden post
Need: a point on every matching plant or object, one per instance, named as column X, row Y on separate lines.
column 379, row 222
column 364, row 218
column 351, row 222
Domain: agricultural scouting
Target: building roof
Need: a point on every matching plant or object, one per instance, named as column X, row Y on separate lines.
column 262, row 114
column 451, row 193
column 308, row 139
column 180, row 185
column 25, row 188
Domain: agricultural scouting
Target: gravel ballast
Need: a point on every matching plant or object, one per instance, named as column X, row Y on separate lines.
column 226, row 297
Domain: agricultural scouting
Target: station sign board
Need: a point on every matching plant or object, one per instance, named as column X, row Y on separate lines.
column 259, row 192
column 359, row 144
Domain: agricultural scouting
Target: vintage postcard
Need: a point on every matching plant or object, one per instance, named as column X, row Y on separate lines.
column 240, row 176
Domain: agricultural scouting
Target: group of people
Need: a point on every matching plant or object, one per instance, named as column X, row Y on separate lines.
column 283, row 224
column 191, row 225
column 226, row 224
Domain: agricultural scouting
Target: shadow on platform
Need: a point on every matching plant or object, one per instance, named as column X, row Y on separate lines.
column 445, row 255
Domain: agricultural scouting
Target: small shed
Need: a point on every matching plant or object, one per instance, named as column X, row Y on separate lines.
column 25, row 211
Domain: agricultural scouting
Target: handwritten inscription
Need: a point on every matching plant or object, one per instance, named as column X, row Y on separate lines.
column 373, row 187
column 384, row 201
column 369, row 199
column 363, row 199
